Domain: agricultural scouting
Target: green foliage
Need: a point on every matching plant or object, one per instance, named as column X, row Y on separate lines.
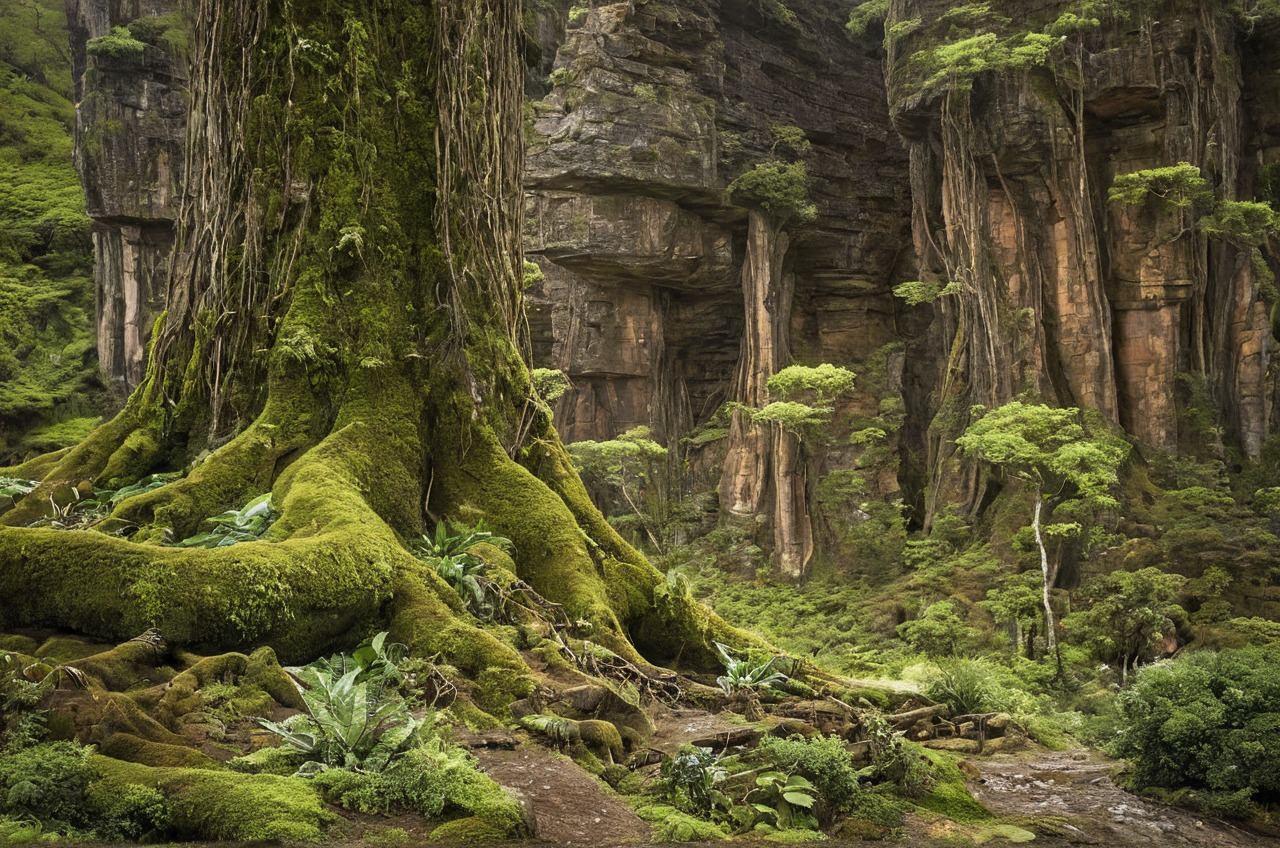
column 22, row 720
column 780, row 187
column 128, row 813
column 629, row 459
column 795, row 418
column 247, row 524
column 692, row 779
column 1206, row 720
column 47, row 782
column 967, row 686
column 47, row 367
column 824, row 760
column 432, row 779
column 1015, row 601
column 92, row 508
column 355, row 716
column 13, row 488
column 531, row 275
column 550, row 383
column 1242, row 222
column 916, row 293
column 782, row 801
column 866, row 14
column 1174, row 187
column 673, row 825
column 939, row 631
column 118, row 45
column 448, row 552
column 1130, row 612
column 632, row 471
column 748, row 673
column 819, row 385
column 1049, row 448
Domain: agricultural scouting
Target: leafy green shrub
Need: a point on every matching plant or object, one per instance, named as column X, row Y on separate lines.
column 865, row 14
column 1207, row 721
column 692, row 778
column 939, row 631
column 1130, row 612
column 247, row 524
column 782, row 801
column 119, row 44
column 550, row 383
column 355, row 717
column 128, row 813
column 13, row 488
column 47, row 782
column 23, row 831
column 672, row 825
column 915, row 293
column 22, row 721
column 1242, row 222
column 824, row 760
column 748, row 673
column 964, row 685
column 780, row 187
column 819, row 384
column 1174, row 186
column 448, row 552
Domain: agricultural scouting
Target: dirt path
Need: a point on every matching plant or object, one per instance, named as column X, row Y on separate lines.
column 1077, row 786
column 566, row 805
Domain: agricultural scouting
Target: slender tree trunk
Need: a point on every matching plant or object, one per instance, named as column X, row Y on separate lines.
column 1050, row 623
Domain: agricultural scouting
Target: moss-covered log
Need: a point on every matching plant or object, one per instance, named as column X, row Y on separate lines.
column 343, row 330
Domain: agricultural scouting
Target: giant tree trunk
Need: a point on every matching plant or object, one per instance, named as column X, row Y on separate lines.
column 344, row 330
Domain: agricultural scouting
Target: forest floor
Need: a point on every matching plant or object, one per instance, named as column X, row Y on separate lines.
column 565, row 804
column 1077, row 786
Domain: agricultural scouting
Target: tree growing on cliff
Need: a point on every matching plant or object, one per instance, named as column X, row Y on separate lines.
column 1050, row 450
column 634, row 466
column 343, row 330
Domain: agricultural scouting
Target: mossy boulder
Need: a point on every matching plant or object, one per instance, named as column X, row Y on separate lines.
column 602, row 739
column 260, row 685
column 134, row 749
column 227, row 806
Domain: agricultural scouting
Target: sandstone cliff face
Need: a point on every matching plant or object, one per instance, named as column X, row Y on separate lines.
column 657, row 107
column 1129, row 311
column 650, row 303
column 1115, row 308
column 130, row 124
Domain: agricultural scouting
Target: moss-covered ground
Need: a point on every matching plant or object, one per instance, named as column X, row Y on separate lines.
column 49, row 394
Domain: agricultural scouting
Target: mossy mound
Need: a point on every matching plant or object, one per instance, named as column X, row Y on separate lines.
column 948, row 796
column 227, row 806
column 671, row 825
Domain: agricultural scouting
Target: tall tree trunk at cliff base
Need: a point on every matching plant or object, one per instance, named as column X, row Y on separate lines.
column 343, row 330
column 763, row 473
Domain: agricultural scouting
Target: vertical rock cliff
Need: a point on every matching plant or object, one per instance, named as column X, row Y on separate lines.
column 131, row 115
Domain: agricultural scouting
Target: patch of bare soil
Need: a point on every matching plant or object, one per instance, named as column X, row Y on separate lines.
column 678, row 727
column 566, row 805
column 1077, row 786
